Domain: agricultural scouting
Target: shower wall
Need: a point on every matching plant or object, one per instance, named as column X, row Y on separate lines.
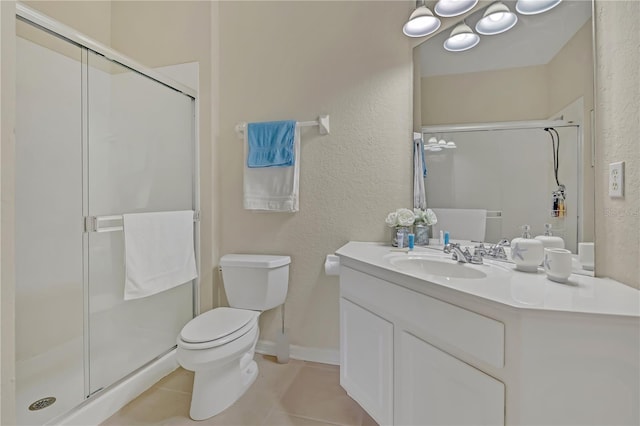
column 93, row 138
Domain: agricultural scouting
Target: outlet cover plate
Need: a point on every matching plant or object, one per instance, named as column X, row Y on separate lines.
column 616, row 180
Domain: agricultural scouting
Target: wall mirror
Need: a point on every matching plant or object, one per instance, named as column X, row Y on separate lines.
column 493, row 103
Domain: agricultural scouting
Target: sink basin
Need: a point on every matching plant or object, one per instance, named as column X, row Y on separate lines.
column 431, row 265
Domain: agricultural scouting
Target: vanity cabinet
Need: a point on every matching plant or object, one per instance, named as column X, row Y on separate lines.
column 397, row 356
column 435, row 388
column 366, row 363
column 508, row 349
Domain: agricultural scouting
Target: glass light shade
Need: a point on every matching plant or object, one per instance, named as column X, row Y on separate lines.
column 450, row 144
column 449, row 8
column 533, row 7
column 442, row 142
column 421, row 23
column 461, row 38
column 497, row 19
column 432, row 139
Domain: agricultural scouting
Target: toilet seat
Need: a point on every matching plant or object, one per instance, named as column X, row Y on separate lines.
column 217, row 327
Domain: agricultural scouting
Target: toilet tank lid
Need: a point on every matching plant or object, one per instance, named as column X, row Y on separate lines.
column 254, row 260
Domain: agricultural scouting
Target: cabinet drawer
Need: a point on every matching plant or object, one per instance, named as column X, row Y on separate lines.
column 437, row 321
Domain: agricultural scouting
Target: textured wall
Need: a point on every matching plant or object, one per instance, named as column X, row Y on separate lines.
column 618, row 129
column 7, row 256
column 295, row 60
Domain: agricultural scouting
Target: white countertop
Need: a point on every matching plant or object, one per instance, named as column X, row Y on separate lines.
column 581, row 294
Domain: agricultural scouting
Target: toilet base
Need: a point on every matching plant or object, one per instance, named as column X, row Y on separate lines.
column 214, row 390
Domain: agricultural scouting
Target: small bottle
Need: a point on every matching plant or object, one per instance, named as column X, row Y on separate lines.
column 446, row 238
column 441, row 238
column 400, row 239
column 411, row 241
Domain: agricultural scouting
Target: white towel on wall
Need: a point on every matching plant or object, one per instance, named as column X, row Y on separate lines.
column 159, row 252
column 272, row 188
column 462, row 224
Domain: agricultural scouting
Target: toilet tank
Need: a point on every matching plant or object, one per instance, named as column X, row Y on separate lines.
column 256, row 282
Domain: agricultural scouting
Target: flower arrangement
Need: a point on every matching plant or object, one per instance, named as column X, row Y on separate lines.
column 426, row 217
column 400, row 218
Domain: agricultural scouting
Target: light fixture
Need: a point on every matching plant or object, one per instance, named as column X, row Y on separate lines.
column 432, row 140
column 449, row 8
column 533, row 7
column 421, row 22
column 442, row 143
column 496, row 19
column 461, row 38
column 450, row 145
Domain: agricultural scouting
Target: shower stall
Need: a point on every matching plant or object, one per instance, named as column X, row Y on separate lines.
column 96, row 137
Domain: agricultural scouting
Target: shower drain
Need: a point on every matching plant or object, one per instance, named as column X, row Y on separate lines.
column 42, row 403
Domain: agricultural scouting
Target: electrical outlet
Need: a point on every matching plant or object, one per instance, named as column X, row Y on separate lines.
column 616, row 180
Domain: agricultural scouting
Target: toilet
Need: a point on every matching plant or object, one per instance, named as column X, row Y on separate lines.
column 218, row 345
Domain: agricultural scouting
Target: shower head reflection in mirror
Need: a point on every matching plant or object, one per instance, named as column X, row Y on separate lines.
column 508, row 79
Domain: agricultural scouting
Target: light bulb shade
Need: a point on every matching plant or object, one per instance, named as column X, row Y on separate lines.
column 461, row 38
column 533, row 7
column 432, row 140
column 449, row 8
column 496, row 19
column 421, row 23
column 450, row 145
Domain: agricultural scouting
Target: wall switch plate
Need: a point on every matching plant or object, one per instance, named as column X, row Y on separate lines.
column 616, row 180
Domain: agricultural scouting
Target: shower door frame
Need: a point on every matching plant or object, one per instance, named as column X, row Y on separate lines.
column 87, row 44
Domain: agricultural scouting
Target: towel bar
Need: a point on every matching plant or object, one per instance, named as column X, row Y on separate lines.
column 106, row 223
column 322, row 122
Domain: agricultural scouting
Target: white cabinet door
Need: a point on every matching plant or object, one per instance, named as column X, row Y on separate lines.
column 366, row 360
column 434, row 388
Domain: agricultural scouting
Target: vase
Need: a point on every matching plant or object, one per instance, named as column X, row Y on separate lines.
column 405, row 231
column 422, row 234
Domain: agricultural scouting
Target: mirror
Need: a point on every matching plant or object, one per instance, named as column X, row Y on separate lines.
column 494, row 102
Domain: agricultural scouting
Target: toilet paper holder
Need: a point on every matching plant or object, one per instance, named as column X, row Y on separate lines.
column 332, row 265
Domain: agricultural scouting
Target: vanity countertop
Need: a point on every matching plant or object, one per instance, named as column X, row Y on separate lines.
column 581, row 294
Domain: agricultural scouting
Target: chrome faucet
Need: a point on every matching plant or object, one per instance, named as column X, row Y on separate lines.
column 496, row 251
column 462, row 256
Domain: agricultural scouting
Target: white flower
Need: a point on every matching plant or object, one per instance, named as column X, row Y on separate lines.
column 428, row 217
column 405, row 217
column 392, row 219
column 401, row 217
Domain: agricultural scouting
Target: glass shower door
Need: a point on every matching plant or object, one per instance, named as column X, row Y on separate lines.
column 141, row 159
column 48, row 226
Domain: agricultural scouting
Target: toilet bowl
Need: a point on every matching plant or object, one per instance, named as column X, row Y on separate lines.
column 224, row 364
column 219, row 345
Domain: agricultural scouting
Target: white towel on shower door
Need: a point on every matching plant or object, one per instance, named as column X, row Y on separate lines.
column 159, row 252
column 272, row 188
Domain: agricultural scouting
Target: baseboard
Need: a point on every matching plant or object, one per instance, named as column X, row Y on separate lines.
column 102, row 406
column 324, row 356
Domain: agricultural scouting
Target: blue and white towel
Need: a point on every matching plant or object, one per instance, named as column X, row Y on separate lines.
column 272, row 188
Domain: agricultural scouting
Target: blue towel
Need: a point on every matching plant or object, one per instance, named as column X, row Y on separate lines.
column 271, row 144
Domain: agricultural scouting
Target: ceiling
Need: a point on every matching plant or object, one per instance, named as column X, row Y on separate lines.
column 535, row 40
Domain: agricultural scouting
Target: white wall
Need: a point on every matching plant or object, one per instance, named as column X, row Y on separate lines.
column 618, row 109
column 295, row 60
column 7, row 146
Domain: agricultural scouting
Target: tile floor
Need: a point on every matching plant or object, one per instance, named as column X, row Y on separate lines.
column 298, row 393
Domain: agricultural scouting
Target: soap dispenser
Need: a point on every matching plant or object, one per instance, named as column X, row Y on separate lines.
column 549, row 240
column 526, row 252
